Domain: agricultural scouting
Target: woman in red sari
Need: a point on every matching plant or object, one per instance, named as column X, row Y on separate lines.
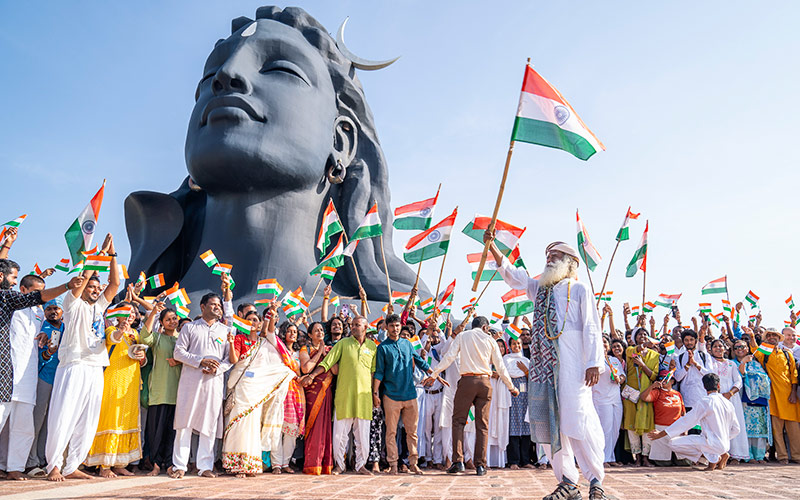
column 319, row 406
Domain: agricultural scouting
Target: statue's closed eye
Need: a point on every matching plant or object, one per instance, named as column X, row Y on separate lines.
column 286, row 67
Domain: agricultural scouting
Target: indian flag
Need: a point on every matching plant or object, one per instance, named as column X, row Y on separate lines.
column 790, row 303
column 427, row 305
column 294, row 297
column 634, row 310
column 156, row 281
column 589, row 254
column 470, row 416
column 671, row 373
column 495, row 318
column 516, row 303
column 370, row 227
column 639, row 260
column 177, row 295
column 432, row 242
column 16, row 222
column 473, row 302
column 78, row 268
column 63, row 265
column 334, row 259
column 490, row 268
column 417, row 215
column 544, row 117
column 123, row 271
column 269, row 286
column 765, row 348
column 665, row 300
column 506, row 235
column 726, row 306
column 80, row 233
column 622, row 234
column 447, row 294
column 92, row 251
column 300, row 308
column 242, row 325
column 209, row 258
column 101, row 263
column 717, row 286
column 447, row 308
column 334, row 302
column 328, row 272
column 119, row 312
column 670, row 347
column 182, row 312
column 415, row 343
column 705, row 307
column 648, row 307
column 36, row 269
column 220, row 269
column 513, row 331
column 402, row 298
column 752, row 298
column 605, row 296
column 142, row 278
column 330, row 226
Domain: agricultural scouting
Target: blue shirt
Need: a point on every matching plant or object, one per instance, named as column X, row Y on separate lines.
column 47, row 369
column 394, row 366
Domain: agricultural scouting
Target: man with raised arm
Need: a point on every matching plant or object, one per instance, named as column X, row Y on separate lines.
column 566, row 361
column 78, row 385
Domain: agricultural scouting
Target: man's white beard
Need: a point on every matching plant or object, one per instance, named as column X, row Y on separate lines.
column 556, row 271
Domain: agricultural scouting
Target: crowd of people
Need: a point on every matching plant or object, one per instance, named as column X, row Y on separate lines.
column 91, row 384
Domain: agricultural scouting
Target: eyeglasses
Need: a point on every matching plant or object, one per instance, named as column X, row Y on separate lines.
column 740, row 347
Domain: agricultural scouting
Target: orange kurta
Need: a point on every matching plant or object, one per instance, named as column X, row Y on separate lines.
column 782, row 373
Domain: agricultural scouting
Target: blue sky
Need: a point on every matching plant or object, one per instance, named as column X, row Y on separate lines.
column 695, row 101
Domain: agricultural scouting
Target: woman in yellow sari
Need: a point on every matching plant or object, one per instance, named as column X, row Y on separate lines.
column 638, row 418
column 117, row 443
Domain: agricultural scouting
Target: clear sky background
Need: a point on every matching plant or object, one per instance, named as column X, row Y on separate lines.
column 696, row 102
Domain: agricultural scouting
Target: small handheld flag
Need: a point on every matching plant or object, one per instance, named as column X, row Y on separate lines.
column 242, row 325
column 63, row 265
column 209, row 258
column 182, row 312
column 719, row 285
column 16, row 222
column 219, row 269
column 752, row 298
column 790, row 303
column 513, row 331
column 119, row 312
column 101, row 263
column 765, row 348
column 156, row 281
column 270, row 287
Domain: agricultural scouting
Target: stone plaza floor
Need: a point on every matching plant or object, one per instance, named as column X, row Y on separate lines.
column 735, row 482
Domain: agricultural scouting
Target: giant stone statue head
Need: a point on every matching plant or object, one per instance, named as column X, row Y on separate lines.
column 280, row 126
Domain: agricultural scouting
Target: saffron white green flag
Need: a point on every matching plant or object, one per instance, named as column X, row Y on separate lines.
column 330, row 226
column 370, row 227
column 417, row 215
column 623, row 233
column 432, row 242
column 719, row 285
column 80, row 233
column 589, row 254
column 516, row 303
column 639, row 260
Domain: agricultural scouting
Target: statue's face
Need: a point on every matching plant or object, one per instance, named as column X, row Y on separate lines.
column 264, row 115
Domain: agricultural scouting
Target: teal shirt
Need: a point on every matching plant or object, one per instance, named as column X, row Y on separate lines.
column 354, row 384
column 394, row 367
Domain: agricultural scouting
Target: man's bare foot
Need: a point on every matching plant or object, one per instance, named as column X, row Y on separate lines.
column 276, row 470
column 16, row 476
column 646, row 462
column 122, row 471
column 447, row 463
column 414, row 469
column 207, row 473
column 156, row 471
column 287, row 470
column 336, row 471
column 175, row 473
column 55, row 475
column 514, row 467
column 710, row 467
column 376, row 468
column 392, row 471
column 723, row 461
column 106, row 473
column 78, row 474
column 241, row 475
column 364, row 471
column 527, row 466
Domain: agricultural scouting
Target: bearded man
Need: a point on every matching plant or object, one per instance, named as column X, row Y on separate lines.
column 566, row 361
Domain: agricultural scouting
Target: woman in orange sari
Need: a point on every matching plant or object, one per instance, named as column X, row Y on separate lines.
column 319, row 405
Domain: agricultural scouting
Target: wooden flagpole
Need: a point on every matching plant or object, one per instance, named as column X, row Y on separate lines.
column 480, row 295
column 608, row 271
column 419, row 267
column 589, row 274
column 386, row 269
column 352, row 258
column 485, row 253
column 315, row 291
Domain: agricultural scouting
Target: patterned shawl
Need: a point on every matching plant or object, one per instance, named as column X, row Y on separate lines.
column 543, row 408
column 294, row 406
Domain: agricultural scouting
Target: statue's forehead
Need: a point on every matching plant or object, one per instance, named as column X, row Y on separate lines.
column 268, row 37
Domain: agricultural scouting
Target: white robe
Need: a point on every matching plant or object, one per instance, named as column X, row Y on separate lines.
column 719, row 425
column 498, row 424
column 729, row 377
column 608, row 403
column 200, row 395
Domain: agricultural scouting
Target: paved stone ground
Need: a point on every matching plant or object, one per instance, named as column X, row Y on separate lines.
column 735, row 482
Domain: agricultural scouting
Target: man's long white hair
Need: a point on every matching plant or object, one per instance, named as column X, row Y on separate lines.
column 558, row 270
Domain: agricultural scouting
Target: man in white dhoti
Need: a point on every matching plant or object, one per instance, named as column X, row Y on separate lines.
column 202, row 347
column 78, row 385
column 717, row 419
column 430, row 430
column 566, row 361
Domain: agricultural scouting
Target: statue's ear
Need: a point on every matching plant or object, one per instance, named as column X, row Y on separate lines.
column 345, row 140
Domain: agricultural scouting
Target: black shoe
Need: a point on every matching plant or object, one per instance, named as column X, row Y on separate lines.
column 596, row 493
column 456, row 468
column 565, row 491
column 480, row 470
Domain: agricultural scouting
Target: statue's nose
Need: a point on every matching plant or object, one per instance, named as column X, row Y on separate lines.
column 229, row 79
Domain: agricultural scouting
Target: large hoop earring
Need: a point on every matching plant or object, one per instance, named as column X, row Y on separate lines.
column 336, row 173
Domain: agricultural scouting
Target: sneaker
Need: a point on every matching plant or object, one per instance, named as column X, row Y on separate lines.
column 566, row 491
column 596, row 493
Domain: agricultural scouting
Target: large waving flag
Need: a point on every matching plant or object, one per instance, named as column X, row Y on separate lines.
column 516, row 303
column 330, row 226
column 370, row 227
column 544, row 117
column 719, row 285
column 446, row 295
column 589, row 254
column 334, row 259
column 431, row 243
column 80, row 233
column 417, row 215
column 639, row 260
column 666, row 300
column 489, row 270
column 506, row 236
column 622, row 234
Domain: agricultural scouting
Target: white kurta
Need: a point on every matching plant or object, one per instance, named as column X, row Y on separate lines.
column 200, row 395
column 25, row 325
column 579, row 347
column 691, row 378
column 729, row 377
column 498, row 424
column 719, row 425
column 608, row 403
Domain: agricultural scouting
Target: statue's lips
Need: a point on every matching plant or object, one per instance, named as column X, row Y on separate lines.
column 231, row 101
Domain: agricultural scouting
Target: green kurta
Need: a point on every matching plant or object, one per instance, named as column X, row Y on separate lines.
column 354, row 385
column 163, row 383
column 639, row 417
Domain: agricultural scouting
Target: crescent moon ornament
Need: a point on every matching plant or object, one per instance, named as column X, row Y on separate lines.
column 358, row 62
